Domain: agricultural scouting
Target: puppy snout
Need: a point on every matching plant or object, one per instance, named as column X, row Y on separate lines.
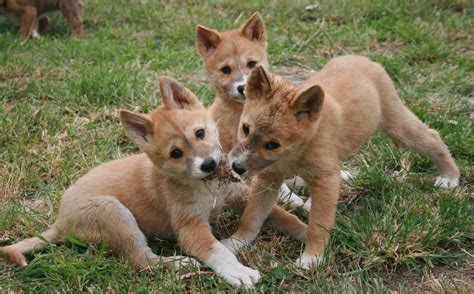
column 241, row 89
column 208, row 165
column 238, row 168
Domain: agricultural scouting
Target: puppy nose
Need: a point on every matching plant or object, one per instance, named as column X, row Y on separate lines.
column 238, row 168
column 208, row 165
column 241, row 89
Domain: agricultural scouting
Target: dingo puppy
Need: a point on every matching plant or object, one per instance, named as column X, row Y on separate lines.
column 172, row 189
column 307, row 130
column 33, row 18
column 228, row 59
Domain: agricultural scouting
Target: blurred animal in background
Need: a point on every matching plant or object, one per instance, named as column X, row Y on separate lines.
column 32, row 14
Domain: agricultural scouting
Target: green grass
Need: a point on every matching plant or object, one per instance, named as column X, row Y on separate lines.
column 58, row 119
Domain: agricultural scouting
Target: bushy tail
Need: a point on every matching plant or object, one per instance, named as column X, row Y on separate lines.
column 15, row 252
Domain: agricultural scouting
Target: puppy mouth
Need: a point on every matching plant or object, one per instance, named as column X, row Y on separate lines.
column 240, row 98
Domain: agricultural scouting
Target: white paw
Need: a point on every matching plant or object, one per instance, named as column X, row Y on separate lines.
column 447, row 181
column 286, row 196
column 307, row 205
column 296, row 182
column 230, row 269
column 308, row 261
column 347, row 176
column 233, row 244
column 34, row 34
column 239, row 276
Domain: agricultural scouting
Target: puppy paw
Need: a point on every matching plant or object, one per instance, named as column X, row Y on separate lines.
column 447, row 181
column 234, row 244
column 308, row 261
column 13, row 255
column 347, row 176
column 239, row 276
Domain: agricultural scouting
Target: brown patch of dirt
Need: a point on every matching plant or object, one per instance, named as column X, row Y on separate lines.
column 441, row 279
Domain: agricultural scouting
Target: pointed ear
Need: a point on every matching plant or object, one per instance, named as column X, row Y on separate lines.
column 309, row 101
column 139, row 127
column 254, row 29
column 258, row 84
column 175, row 95
column 207, row 40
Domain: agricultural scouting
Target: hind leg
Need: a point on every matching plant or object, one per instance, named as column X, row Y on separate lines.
column 105, row 219
column 28, row 21
column 406, row 129
column 72, row 10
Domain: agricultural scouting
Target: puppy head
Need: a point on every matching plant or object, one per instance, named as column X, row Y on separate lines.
column 275, row 123
column 180, row 137
column 230, row 56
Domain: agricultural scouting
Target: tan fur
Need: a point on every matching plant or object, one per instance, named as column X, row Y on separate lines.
column 32, row 14
column 317, row 125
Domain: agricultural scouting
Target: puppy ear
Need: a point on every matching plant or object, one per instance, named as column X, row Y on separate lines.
column 258, row 84
column 207, row 40
column 139, row 127
column 254, row 29
column 176, row 96
column 308, row 102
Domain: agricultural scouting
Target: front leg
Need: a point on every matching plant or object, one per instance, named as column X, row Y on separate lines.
column 324, row 191
column 261, row 199
column 196, row 238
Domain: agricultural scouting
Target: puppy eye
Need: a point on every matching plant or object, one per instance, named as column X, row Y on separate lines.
column 176, row 153
column 251, row 64
column 245, row 129
column 226, row 69
column 272, row 145
column 200, row 134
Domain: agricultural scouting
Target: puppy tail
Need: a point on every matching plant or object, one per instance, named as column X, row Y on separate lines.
column 15, row 252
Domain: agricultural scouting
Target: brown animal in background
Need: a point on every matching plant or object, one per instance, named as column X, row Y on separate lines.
column 307, row 130
column 173, row 189
column 32, row 14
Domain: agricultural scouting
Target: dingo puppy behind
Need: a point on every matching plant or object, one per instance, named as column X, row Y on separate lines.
column 307, row 130
column 228, row 59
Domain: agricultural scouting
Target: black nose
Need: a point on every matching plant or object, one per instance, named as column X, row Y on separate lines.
column 241, row 89
column 208, row 165
column 238, row 168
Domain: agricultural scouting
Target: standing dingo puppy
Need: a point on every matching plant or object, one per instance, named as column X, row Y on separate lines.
column 307, row 130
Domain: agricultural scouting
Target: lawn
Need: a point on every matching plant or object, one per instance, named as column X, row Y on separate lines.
column 394, row 230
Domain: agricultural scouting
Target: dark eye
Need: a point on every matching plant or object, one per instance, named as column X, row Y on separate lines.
column 200, row 134
column 226, row 69
column 245, row 129
column 251, row 64
column 176, row 153
column 272, row 145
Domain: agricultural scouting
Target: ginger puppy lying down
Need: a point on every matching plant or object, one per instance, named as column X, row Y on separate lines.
column 307, row 130
column 171, row 190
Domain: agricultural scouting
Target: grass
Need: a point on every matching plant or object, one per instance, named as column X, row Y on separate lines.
column 394, row 231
